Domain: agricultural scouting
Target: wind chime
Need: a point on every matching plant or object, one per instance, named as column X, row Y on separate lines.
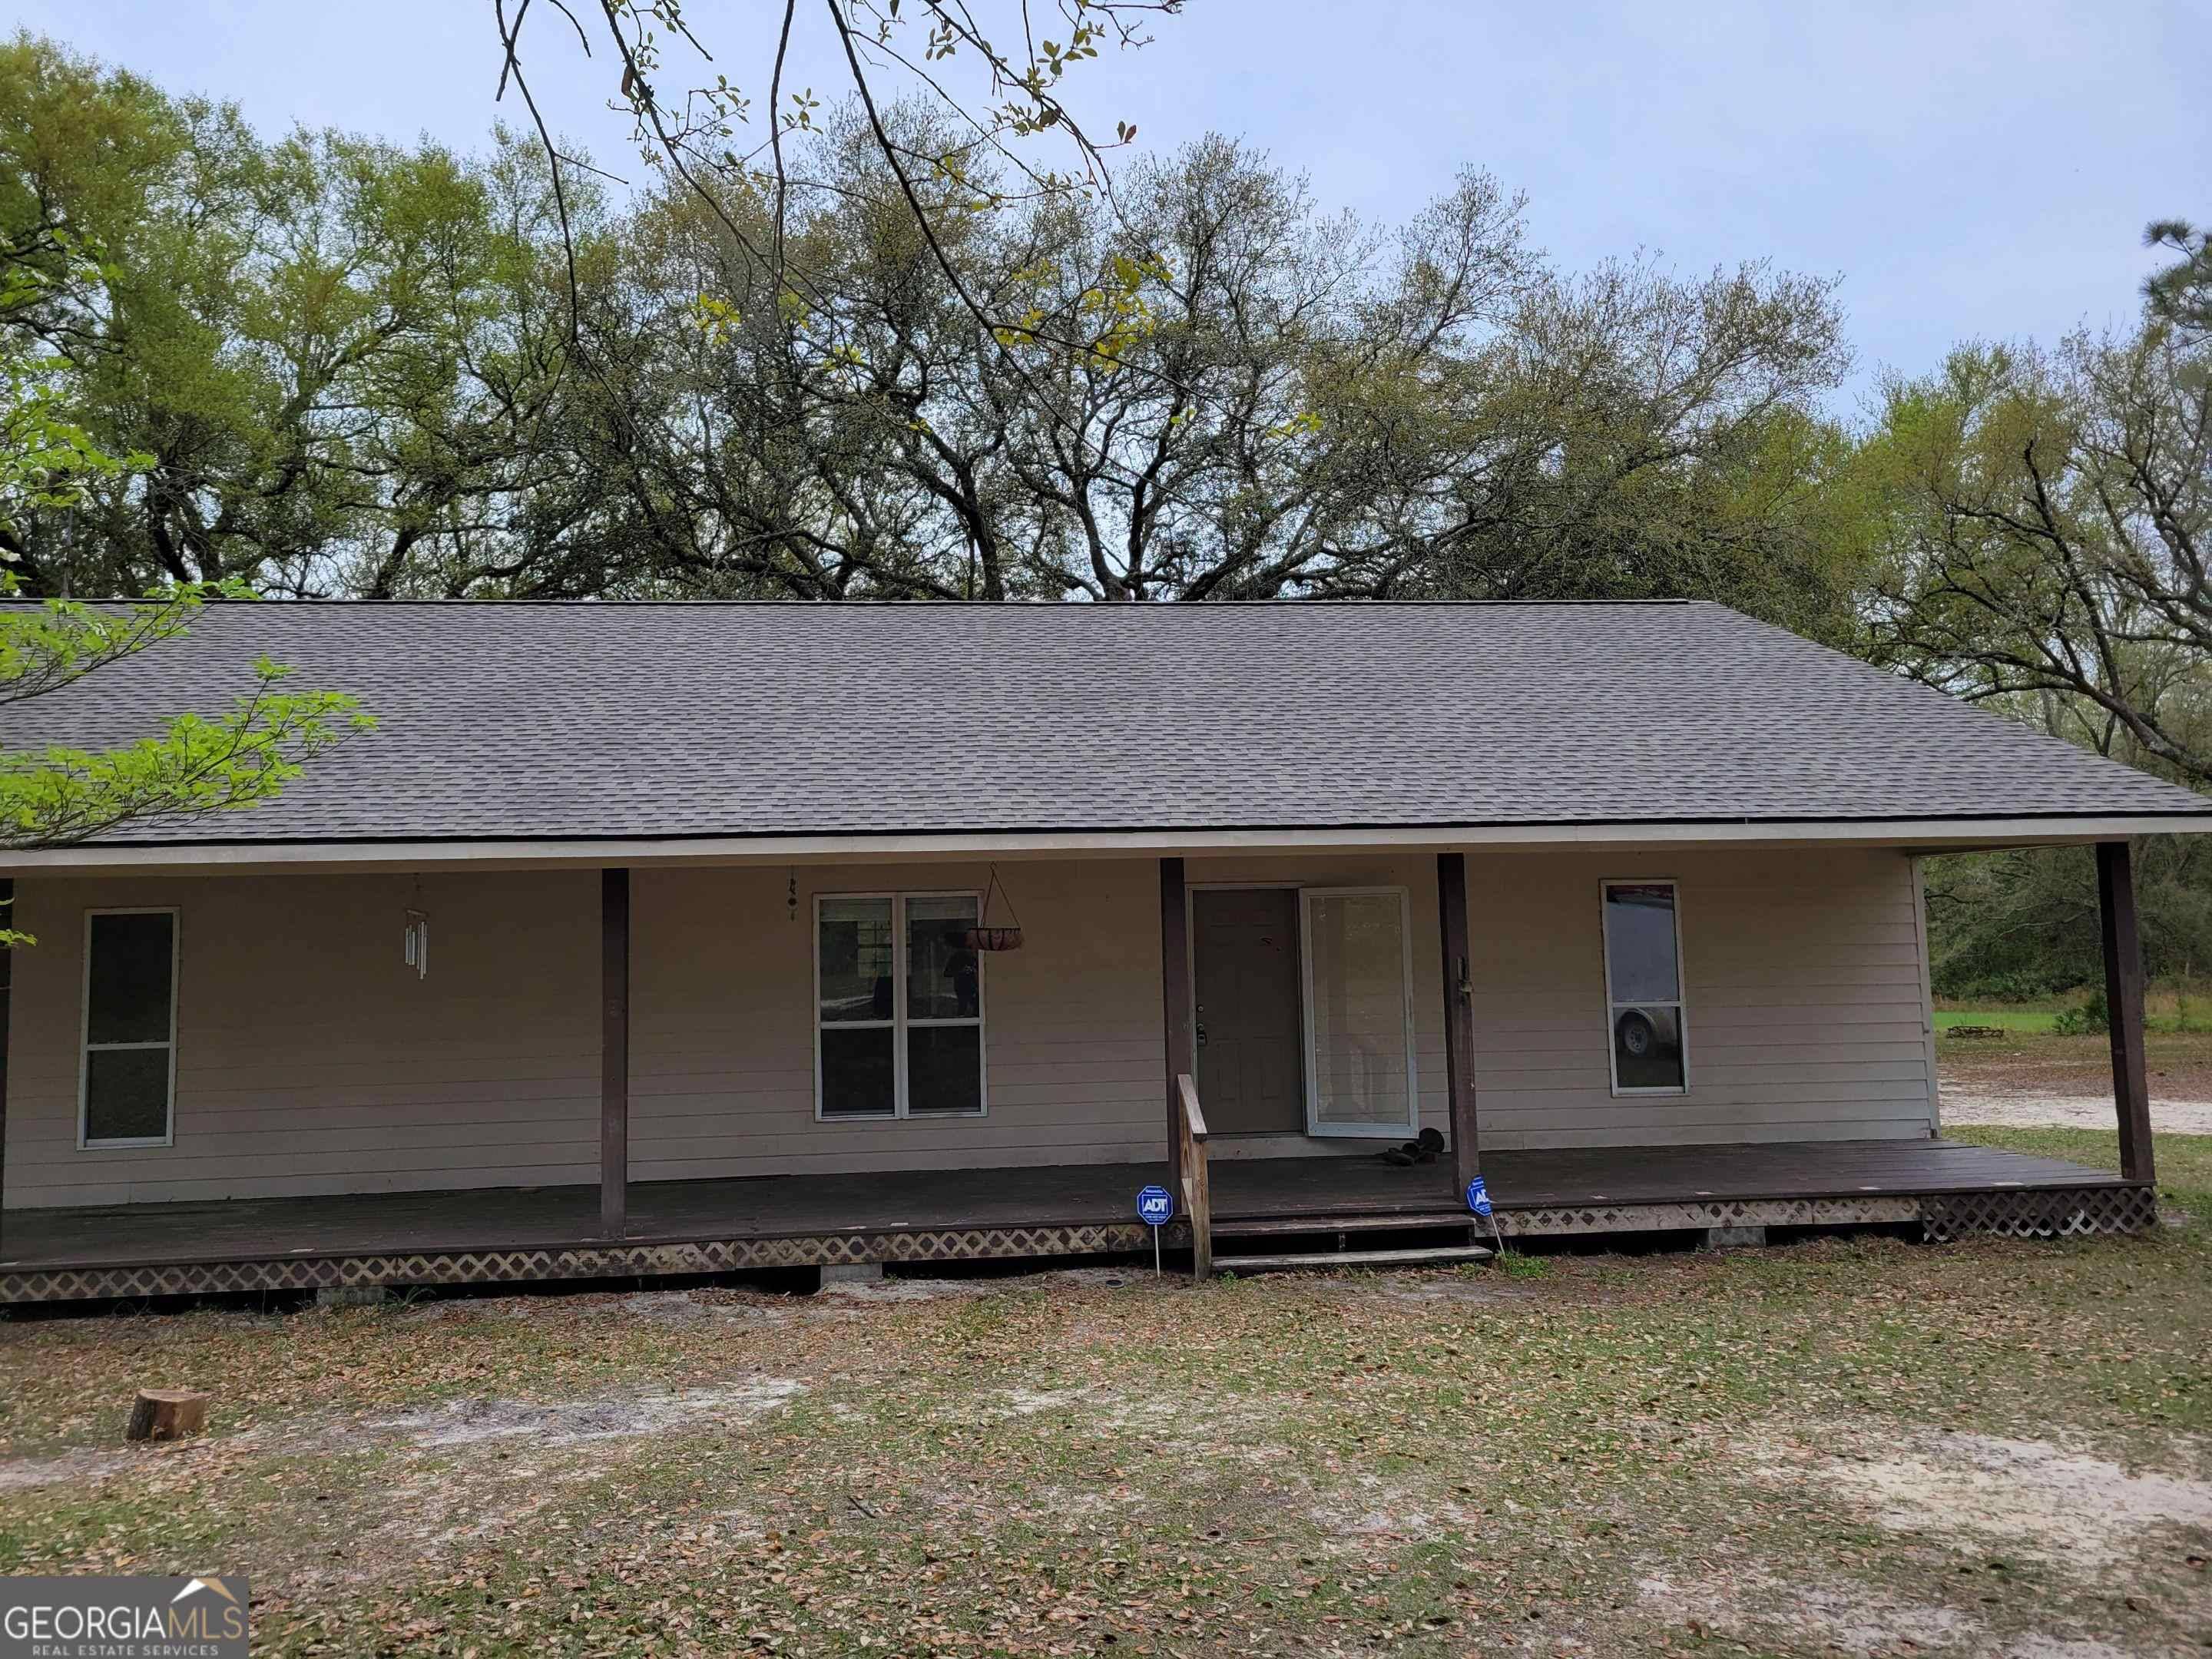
column 414, row 943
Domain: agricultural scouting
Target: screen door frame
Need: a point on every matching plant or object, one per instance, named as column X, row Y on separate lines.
column 1308, row 898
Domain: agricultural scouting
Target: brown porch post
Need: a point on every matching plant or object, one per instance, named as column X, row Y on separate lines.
column 614, row 1051
column 1459, row 1016
column 2123, row 1003
column 7, row 984
column 1174, row 1003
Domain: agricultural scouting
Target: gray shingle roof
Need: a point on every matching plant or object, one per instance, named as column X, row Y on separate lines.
column 604, row 720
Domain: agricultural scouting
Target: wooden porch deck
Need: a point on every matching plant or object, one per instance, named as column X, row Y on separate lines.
column 692, row 1226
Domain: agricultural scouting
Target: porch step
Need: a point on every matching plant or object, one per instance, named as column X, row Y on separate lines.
column 1436, row 1257
column 1277, row 1226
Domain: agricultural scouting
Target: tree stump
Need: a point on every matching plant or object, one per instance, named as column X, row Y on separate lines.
column 166, row 1414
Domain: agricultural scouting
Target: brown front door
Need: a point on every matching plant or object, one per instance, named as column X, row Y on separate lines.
column 1244, row 943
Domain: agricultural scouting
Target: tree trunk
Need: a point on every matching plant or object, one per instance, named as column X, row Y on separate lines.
column 166, row 1414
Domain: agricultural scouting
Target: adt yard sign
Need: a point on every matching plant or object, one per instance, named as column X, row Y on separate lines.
column 1478, row 1200
column 1156, row 1208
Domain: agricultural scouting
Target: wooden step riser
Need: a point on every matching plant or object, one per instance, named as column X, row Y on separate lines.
column 1279, row 1226
column 1441, row 1257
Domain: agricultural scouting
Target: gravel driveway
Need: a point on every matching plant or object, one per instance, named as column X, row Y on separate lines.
column 2021, row 1110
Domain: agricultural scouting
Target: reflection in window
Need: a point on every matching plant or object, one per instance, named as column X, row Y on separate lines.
column 1644, row 987
column 942, row 969
column 899, row 1006
column 855, row 977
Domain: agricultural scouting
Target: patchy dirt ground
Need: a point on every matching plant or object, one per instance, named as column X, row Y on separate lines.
column 1862, row 1447
column 2040, row 1080
column 2077, row 1512
column 2046, row 1066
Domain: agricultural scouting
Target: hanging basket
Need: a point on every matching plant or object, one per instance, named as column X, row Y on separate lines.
column 983, row 936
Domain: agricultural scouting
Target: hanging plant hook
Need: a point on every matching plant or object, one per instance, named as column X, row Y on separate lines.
column 985, row 937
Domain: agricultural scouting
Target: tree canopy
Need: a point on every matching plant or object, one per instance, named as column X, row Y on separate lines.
column 349, row 366
column 56, row 283
column 874, row 349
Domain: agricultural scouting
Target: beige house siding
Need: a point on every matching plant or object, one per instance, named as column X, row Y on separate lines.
column 1804, row 999
column 311, row 1060
column 722, row 1032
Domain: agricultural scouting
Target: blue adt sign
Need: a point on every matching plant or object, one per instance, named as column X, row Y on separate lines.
column 1155, row 1206
column 1477, row 1196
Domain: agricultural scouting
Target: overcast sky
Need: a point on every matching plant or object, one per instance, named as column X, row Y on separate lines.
column 1974, row 169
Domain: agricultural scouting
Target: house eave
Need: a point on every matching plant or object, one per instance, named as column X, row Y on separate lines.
column 1925, row 835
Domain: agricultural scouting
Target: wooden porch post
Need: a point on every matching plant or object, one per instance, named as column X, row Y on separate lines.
column 2123, row 1004
column 7, row 986
column 1459, row 1016
column 614, row 1052
column 1175, row 1005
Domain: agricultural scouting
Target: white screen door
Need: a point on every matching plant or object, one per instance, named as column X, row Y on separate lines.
column 1359, row 1026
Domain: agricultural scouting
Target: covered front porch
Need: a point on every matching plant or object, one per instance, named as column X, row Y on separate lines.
column 617, row 1073
column 519, row 1234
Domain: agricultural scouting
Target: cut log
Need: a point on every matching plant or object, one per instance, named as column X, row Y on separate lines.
column 166, row 1414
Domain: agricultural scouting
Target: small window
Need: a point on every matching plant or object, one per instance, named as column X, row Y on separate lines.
column 898, row 1006
column 129, row 1066
column 1644, row 988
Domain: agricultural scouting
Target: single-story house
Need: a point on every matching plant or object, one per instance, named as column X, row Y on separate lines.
column 668, row 938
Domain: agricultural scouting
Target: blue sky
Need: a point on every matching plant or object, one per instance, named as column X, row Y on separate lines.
column 1980, row 169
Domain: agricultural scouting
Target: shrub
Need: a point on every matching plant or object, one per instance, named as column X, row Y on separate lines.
column 2090, row 1015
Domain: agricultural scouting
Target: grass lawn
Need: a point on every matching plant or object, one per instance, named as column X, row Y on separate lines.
column 1854, row 1446
column 2002, row 1019
column 2179, row 1010
column 2045, row 1062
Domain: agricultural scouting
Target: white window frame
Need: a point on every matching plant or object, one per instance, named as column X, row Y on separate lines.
column 1315, row 1127
column 1680, row 1003
column 899, row 1025
column 85, row 1045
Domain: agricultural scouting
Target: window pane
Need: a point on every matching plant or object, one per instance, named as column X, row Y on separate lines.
column 1639, row 927
column 127, row 1094
column 856, row 959
column 942, row 972
column 944, row 1069
column 1647, row 1048
column 1359, row 1010
column 856, row 1072
column 128, row 986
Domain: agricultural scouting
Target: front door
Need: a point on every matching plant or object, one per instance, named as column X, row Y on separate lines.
column 1244, row 945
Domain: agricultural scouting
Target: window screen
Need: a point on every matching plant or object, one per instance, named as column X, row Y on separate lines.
column 899, row 1006
column 856, row 1004
column 1644, row 986
column 944, row 1012
column 130, row 1002
column 1360, row 1050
